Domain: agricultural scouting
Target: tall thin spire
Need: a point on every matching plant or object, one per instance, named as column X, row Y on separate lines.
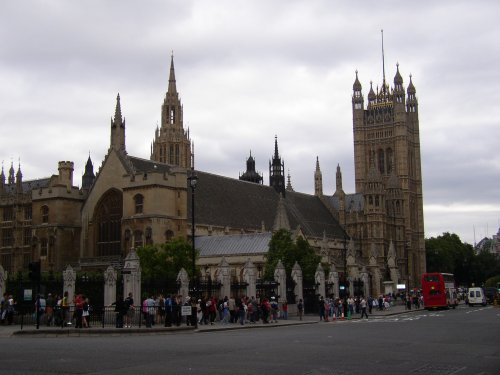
column 118, row 128
column 383, row 62
column 172, row 89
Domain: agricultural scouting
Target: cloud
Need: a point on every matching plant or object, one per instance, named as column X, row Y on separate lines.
column 247, row 71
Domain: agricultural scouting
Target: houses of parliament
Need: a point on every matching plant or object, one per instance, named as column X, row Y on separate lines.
column 129, row 201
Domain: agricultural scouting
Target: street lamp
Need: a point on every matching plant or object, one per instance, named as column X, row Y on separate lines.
column 193, row 180
column 407, row 247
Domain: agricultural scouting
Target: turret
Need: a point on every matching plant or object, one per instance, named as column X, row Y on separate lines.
column 251, row 175
column 89, row 176
column 19, row 180
column 12, row 179
column 318, row 180
column 412, row 103
column 277, row 170
column 118, row 128
column 66, row 174
column 2, row 181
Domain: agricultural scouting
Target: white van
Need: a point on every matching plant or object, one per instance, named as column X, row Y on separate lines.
column 475, row 296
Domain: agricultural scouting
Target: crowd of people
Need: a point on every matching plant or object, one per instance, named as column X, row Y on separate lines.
column 174, row 310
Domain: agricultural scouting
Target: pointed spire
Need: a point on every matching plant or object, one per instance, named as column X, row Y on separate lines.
column 2, row 178
column 383, row 63
column 118, row 128
column 276, row 155
column 411, row 88
column 172, row 89
column 89, row 176
column 318, row 180
column 118, row 112
column 357, row 85
column 12, row 179
column 398, row 80
column 289, row 186
column 338, row 179
column 19, row 179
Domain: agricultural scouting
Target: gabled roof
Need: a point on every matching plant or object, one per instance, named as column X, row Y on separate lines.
column 222, row 201
column 240, row 244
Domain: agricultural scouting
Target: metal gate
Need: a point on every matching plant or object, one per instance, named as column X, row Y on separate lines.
column 311, row 298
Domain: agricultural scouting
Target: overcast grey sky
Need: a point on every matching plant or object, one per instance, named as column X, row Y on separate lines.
column 249, row 70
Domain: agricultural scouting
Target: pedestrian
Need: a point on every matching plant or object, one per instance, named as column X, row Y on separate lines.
column 362, row 305
column 119, row 309
column 10, row 309
column 321, row 306
column 284, row 310
column 85, row 313
column 129, row 310
column 168, row 311
column 49, row 309
column 212, row 309
column 65, row 310
column 370, row 304
column 274, row 310
column 300, row 309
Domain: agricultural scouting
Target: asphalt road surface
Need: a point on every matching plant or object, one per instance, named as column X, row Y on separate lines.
column 461, row 341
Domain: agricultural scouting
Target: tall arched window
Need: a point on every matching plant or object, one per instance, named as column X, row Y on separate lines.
column 45, row 214
column 107, row 218
column 139, row 203
column 138, row 240
column 389, row 159
column 381, row 161
column 44, row 247
column 169, row 235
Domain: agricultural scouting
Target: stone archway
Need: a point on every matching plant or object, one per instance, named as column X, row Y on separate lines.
column 107, row 223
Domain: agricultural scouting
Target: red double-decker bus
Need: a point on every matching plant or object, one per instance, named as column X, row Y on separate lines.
column 439, row 291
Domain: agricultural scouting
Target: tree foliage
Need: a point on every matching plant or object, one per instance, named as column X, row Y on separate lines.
column 447, row 253
column 166, row 260
column 282, row 247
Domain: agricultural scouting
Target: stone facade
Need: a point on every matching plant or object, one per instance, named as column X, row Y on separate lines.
column 130, row 202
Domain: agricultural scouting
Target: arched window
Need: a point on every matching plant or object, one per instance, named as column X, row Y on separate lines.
column 381, row 161
column 139, row 203
column 389, row 160
column 169, row 235
column 45, row 214
column 44, row 247
column 138, row 240
column 149, row 236
column 107, row 218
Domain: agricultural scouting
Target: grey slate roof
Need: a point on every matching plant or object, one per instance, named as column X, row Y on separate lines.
column 223, row 201
column 240, row 244
column 28, row 186
column 145, row 165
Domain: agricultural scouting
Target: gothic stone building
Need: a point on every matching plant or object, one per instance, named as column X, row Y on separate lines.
column 132, row 201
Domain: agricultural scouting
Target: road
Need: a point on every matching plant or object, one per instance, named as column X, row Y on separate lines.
column 461, row 341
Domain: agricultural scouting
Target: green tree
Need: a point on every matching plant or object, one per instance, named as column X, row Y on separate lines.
column 447, row 253
column 166, row 260
column 282, row 247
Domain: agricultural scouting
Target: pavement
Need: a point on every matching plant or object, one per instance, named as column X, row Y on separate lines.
column 43, row 331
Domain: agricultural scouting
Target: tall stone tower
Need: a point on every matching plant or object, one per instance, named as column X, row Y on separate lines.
column 388, row 170
column 171, row 144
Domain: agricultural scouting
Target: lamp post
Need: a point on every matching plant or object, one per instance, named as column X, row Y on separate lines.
column 192, row 180
column 407, row 247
